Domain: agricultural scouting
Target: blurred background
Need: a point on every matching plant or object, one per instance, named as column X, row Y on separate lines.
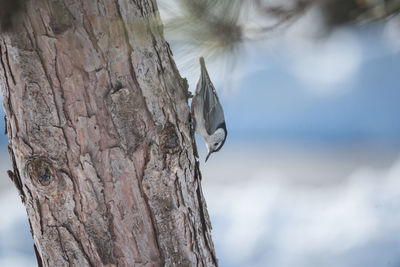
column 310, row 173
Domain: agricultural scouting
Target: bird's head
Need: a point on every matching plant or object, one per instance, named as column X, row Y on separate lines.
column 216, row 140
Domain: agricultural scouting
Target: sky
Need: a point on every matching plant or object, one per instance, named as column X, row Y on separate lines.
column 282, row 210
column 339, row 89
column 309, row 174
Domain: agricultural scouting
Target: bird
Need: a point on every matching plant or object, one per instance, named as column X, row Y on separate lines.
column 207, row 113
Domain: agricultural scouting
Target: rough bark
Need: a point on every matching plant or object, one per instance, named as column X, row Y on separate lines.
column 99, row 137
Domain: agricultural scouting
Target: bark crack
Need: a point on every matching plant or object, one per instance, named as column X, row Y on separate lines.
column 204, row 223
column 89, row 30
column 15, row 176
column 65, row 255
column 131, row 67
column 149, row 210
column 79, row 242
column 61, row 91
column 48, row 77
column 38, row 257
column 5, row 71
column 8, row 64
column 110, row 240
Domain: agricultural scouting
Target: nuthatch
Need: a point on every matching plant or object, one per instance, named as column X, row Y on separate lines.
column 207, row 113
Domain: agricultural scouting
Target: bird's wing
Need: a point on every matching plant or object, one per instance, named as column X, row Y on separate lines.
column 212, row 109
column 213, row 112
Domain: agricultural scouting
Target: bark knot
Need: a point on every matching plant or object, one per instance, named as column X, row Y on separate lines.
column 40, row 170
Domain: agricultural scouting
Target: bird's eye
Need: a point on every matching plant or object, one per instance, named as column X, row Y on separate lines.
column 215, row 144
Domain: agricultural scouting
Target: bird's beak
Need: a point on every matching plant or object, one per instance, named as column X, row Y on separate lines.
column 208, row 155
column 208, row 152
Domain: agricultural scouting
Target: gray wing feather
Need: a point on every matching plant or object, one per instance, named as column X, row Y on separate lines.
column 212, row 111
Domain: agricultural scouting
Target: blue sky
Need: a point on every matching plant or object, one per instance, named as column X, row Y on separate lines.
column 344, row 88
column 300, row 206
column 272, row 103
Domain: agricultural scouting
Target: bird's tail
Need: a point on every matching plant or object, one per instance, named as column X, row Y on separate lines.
column 203, row 68
column 202, row 62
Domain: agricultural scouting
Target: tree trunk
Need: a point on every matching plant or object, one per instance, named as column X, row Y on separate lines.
column 99, row 136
